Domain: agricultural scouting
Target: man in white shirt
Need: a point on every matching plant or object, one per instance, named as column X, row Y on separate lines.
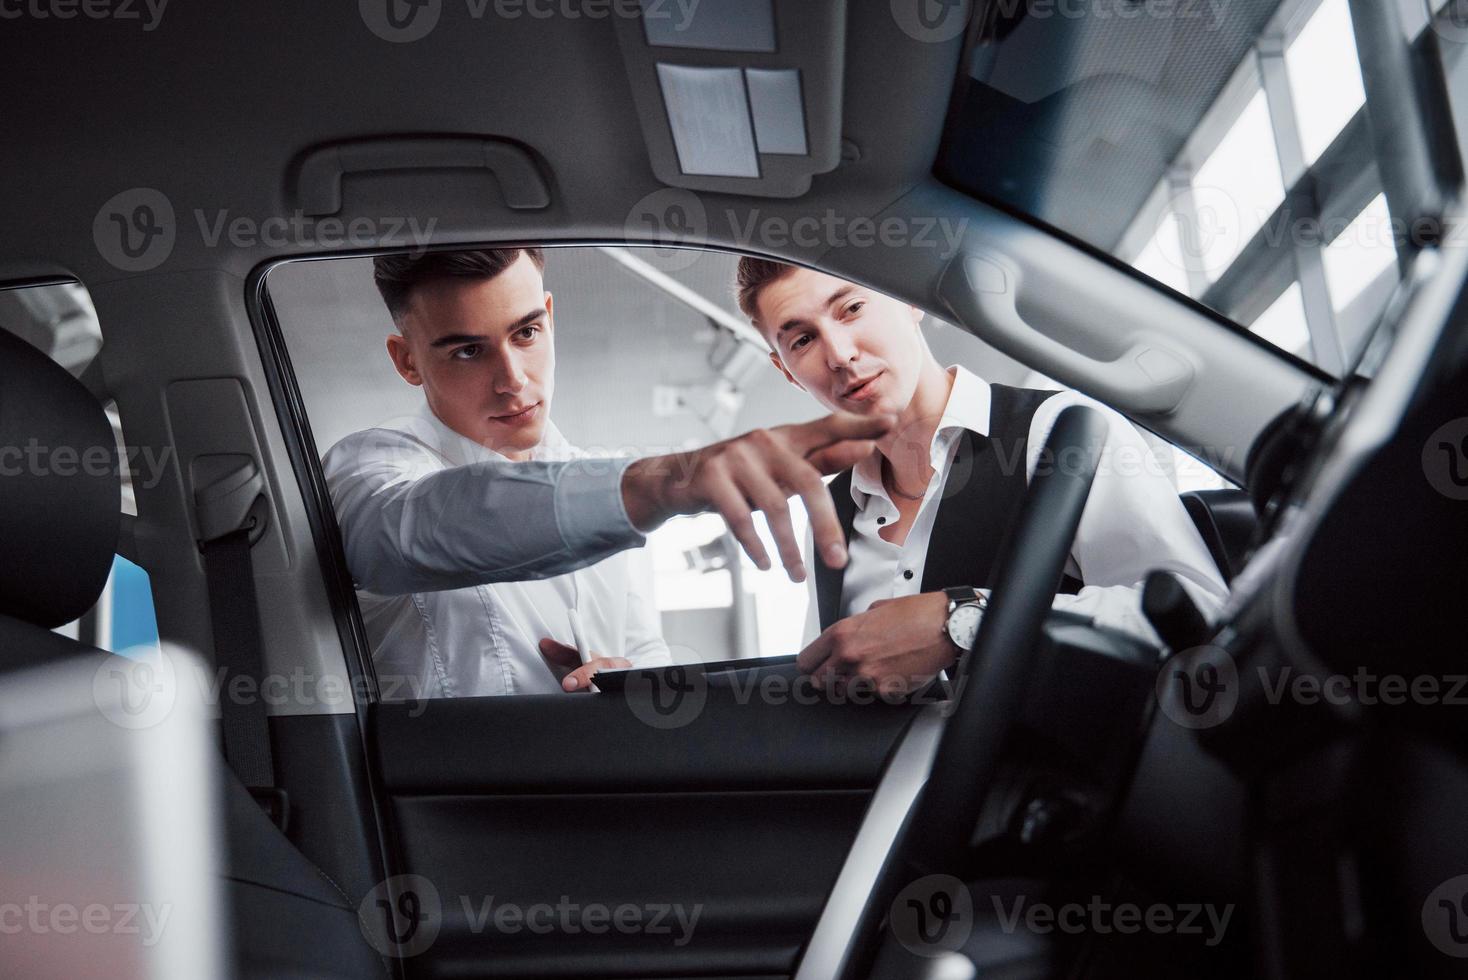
column 926, row 511
column 473, row 530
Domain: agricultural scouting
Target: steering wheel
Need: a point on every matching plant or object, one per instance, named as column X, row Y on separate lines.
column 969, row 746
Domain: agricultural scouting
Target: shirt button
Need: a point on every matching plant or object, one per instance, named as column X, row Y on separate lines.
column 881, row 520
column 907, row 574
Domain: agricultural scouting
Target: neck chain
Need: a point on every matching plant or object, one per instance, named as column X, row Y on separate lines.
column 897, row 489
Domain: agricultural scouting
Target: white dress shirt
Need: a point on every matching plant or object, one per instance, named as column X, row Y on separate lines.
column 1133, row 521
column 464, row 560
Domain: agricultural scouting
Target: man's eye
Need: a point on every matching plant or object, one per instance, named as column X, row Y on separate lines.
column 800, row 341
column 466, row 353
column 527, row 332
column 855, row 308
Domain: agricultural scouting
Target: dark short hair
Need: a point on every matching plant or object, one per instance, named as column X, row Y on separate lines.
column 398, row 275
column 752, row 277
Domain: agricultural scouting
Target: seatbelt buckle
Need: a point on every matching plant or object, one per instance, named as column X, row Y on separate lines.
column 276, row 804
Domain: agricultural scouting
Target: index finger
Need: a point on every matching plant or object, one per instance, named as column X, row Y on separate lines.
column 825, row 527
column 807, row 437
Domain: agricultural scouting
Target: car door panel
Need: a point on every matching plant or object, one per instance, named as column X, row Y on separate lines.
column 732, row 819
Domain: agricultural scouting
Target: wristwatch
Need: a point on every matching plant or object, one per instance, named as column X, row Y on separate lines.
column 965, row 609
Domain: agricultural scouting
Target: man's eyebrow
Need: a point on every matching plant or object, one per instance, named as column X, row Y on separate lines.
column 448, row 340
column 459, row 338
column 834, row 298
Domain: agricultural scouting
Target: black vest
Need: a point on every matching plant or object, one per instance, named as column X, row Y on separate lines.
column 980, row 500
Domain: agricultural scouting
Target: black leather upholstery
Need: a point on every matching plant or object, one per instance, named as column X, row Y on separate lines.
column 60, row 496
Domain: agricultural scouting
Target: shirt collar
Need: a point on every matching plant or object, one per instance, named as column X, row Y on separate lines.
column 460, row 450
column 967, row 408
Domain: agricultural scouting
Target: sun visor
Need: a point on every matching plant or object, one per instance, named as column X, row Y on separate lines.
column 726, row 101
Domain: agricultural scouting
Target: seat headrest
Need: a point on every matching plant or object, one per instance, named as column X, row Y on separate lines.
column 60, row 495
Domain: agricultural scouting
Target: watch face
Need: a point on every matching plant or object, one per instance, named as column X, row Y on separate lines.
column 963, row 625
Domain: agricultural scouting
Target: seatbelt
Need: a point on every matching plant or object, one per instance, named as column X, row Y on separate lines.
column 226, row 538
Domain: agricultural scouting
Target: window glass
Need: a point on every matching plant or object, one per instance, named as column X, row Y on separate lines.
column 1237, row 189
column 1284, row 324
column 1162, row 258
column 1360, row 254
column 688, row 381
column 123, row 620
column 57, row 318
column 1325, row 77
column 1159, row 139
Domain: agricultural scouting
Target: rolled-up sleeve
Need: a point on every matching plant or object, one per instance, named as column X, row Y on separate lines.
column 409, row 524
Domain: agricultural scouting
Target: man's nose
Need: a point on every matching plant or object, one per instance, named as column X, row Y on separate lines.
column 840, row 351
column 510, row 377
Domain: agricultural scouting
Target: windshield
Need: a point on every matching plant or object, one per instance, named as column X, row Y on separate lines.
column 1223, row 148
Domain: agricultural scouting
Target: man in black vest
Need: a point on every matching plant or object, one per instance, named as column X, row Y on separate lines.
column 925, row 513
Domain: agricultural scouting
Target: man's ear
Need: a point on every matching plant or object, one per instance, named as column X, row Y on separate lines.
column 402, row 358
column 550, row 313
column 917, row 315
column 780, row 365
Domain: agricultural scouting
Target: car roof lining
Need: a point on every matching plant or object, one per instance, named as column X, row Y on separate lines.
column 228, row 154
